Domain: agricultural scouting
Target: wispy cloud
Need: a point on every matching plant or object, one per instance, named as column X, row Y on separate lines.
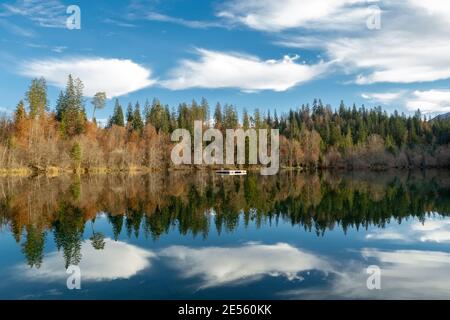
column 57, row 49
column 275, row 16
column 114, row 76
column 119, row 23
column 15, row 29
column 215, row 69
column 385, row 97
column 51, row 13
column 196, row 24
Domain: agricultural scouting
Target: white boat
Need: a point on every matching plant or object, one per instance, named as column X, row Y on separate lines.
column 232, row 172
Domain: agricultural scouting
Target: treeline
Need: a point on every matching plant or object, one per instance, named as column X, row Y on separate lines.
column 312, row 136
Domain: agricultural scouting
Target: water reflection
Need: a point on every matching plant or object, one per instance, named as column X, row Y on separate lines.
column 406, row 274
column 435, row 230
column 120, row 261
column 218, row 266
column 197, row 233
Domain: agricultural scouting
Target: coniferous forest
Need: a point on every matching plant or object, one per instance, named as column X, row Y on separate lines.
column 44, row 138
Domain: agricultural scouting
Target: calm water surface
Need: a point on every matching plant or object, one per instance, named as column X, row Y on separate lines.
column 201, row 236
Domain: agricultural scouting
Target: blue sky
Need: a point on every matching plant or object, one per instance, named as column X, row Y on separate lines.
column 251, row 53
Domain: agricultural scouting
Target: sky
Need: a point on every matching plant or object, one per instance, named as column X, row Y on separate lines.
column 261, row 54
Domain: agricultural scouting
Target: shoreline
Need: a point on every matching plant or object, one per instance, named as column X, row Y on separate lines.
column 57, row 171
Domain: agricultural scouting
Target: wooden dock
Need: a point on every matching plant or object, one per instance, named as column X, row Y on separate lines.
column 232, row 172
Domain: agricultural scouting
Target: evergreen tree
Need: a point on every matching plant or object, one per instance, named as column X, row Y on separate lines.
column 137, row 123
column 218, row 116
column 130, row 114
column 117, row 117
column 205, row 110
column 245, row 120
column 71, row 108
column 147, row 111
column 230, row 118
column 60, row 106
column 36, row 97
column 257, row 121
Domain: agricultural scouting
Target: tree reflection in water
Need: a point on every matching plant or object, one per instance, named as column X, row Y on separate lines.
column 152, row 205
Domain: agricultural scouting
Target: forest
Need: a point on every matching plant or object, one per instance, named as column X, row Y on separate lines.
column 38, row 138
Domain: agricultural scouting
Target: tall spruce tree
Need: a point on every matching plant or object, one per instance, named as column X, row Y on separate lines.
column 130, row 116
column 117, row 117
column 72, row 111
column 36, row 97
column 137, row 123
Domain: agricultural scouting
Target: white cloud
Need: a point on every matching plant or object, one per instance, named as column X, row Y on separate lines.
column 114, row 76
column 433, row 7
column 271, row 15
column 394, row 57
column 385, row 97
column 216, row 69
column 218, row 266
column 118, row 260
column 410, row 47
column 431, row 101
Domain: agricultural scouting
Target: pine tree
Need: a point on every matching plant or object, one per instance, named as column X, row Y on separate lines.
column 73, row 114
column 230, row 118
column 245, row 120
column 36, row 97
column 276, row 122
column 130, row 116
column 218, row 116
column 257, row 121
column 137, row 123
column 269, row 120
column 61, row 106
column 117, row 117
column 147, row 110
column 205, row 110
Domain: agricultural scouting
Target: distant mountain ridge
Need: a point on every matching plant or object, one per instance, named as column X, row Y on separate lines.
column 444, row 116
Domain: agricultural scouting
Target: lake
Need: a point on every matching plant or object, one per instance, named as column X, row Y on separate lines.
column 187, row 235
